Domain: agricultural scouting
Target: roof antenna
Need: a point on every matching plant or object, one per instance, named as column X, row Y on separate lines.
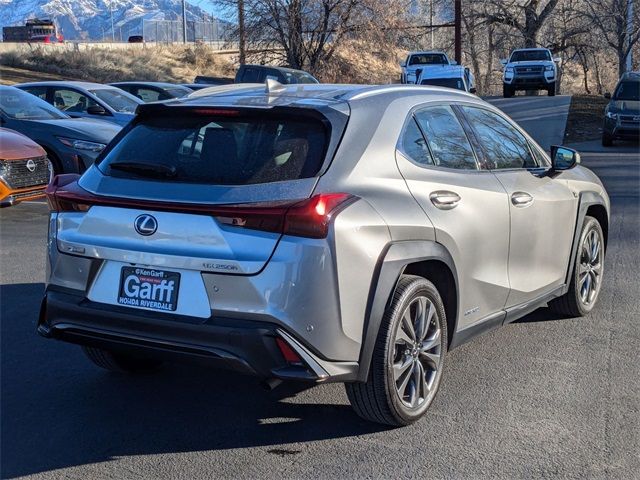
column 273, row 86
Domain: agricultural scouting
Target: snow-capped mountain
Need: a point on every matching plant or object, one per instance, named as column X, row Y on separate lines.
column 91, row 19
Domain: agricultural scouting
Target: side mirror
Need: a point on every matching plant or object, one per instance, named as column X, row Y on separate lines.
column 453, row 62
column 472, row 90
column 504, row 61
column 563, row 158
column 557, row 59
column 607, row 95
column 96, row 110
column 403, row 64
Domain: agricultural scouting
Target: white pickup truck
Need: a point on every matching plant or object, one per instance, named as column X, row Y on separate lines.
column 529, row 69
column 450, row 76
column 418, row 62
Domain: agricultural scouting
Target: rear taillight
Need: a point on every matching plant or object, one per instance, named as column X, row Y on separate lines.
column 302, row 218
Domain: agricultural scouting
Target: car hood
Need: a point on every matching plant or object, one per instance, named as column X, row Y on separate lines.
column 631, row 107
column 83, row 129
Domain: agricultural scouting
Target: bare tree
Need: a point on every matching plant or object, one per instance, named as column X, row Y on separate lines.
column 609, row 17
column 527, row 17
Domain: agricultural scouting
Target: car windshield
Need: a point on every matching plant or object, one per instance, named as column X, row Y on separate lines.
column 117, row 100
column 233, row 150
column 530, row 56
column 456, row 83
column 428, row 59
column 301, row 77
column 20, row 105
column 628, row 90
column 178, row 92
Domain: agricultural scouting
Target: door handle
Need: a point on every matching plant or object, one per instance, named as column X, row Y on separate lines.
column 444, row 200
column 521, row 199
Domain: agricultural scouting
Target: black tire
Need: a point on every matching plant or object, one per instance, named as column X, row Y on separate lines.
column 56, row 164
column 121, row 362
column 607, row 140
column 571, row 304
column 551, row 91
column 378, row 399
column 507, row 92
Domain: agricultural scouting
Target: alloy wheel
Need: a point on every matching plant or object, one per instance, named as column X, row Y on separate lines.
column 417, row 352
column 590, row 267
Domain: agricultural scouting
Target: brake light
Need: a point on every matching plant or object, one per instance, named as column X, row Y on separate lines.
column 311, row 218
column 63, row 195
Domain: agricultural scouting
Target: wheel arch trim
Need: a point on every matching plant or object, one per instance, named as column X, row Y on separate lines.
column 391, row 264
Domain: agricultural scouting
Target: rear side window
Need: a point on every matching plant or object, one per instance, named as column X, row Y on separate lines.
column 503, row 145
column 220, row 150
column 446, row 138
column 414, row 145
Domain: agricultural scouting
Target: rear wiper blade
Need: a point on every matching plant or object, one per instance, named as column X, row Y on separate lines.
column 155, row 170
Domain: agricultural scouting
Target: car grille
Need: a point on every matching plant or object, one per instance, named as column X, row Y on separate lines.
column 18, row 174
column 529, row 70
column 630, row 120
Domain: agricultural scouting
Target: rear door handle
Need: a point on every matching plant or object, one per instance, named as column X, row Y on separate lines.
column 521, row 199
column 444, row 200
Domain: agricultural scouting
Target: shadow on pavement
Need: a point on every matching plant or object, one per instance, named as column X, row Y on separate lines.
column 58, row 410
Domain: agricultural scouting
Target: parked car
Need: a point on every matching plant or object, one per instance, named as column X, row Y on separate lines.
column 86, row 100
column 453, row 76
column 153, row 91
column 418, row 62
column 282, row 242
column 208, row 81
column 529, row 69
column 622, row 114
column 261, row 73
column 72, row 144
column 24, row 168
column 135, row 39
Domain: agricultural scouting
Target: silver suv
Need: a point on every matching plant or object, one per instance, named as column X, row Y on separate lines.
column 324, row 233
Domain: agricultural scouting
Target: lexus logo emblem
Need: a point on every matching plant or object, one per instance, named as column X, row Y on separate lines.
column 146, row 225
column 31, row 165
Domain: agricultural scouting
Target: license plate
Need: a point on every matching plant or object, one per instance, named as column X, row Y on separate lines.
column 149, row 288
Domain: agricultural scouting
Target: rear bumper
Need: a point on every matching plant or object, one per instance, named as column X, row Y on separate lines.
column 244, row 346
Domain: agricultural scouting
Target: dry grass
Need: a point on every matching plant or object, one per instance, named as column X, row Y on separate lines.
column 357, row 62
column 160, row 63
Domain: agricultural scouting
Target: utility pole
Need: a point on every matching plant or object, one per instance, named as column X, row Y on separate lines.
column 184, row 21
column 241, row 33
column 431, row 23
column 113, row 32
column 458, row 30
column 629, row 63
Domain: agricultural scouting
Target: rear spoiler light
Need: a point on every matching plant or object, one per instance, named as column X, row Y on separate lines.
column 309, row 218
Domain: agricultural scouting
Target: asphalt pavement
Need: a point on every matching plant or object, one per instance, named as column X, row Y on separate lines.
column 543, row 397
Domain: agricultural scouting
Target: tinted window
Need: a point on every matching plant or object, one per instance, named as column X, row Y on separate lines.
column 456, row 83
column 21, row 105
column 221, row 150
column 503, row 145
column 445, row 136
column 148, row 95
column 627, row 90
column 531, row 55
column 71, row 101
column 116, row 99
column 414, row 145
column 251, row 75
column 40, row 92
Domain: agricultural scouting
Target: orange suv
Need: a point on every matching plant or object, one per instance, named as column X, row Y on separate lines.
column 24, row 168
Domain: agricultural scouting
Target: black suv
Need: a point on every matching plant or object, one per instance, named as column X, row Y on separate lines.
column 622, row 115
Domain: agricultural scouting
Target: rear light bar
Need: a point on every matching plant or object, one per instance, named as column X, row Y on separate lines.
column 309, row 218
column 289, row 354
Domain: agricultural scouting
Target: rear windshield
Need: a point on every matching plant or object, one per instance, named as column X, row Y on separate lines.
column 530, row 56
column 240, row 150
column 456, row 83
column 428, row 59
